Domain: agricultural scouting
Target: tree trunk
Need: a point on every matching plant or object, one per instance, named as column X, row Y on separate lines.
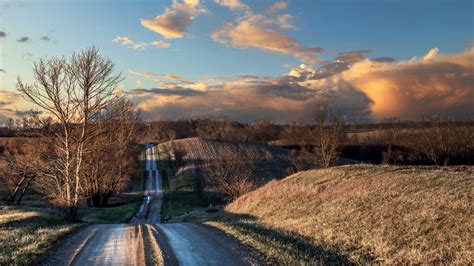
column 71, row 214
column 96, row 200
column 23, row 191
column 11, row 200
column 105, row 199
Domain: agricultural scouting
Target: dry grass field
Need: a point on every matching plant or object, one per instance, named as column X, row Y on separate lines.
column 361, row 213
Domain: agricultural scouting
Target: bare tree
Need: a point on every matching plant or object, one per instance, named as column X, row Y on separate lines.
column 112, row 158
column 442, row 143
column 72, row 91
column 326, row 136
column 231, row 174
column 21, row 169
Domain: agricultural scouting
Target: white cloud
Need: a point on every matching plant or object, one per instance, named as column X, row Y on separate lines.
column 233, row 4
column 127, row 42
column 255, row 30
column 433, row 53
column 283, row 21
column 174, row 21
column 248, row 34
column 276, row 7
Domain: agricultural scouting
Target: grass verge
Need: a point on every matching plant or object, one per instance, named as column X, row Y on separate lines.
column 27, row 233
column 181, row 195
column 181, row 198
column 113, row 215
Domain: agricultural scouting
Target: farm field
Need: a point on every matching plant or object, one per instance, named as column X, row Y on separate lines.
column 194, row 155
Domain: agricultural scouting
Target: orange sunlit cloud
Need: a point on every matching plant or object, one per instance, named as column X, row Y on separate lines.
column 434, row 84
column 367, row 89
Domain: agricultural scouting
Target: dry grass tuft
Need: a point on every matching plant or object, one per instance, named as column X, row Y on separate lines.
column 362, row 213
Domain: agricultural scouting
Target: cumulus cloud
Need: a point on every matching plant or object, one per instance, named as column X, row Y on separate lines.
column 436, row 84
column 247, row 34
column 127, row 42
column 161, row 44
column 45, row 38
column 2, row 70
column 433, row 53
column 359, row 90
column 284, row 22
column 263, row 31
column 433, row 85
column 233, row 4
column 3, row 34
column 23, row 39
column 247, row 98
column 277, row 7
column 175, row 20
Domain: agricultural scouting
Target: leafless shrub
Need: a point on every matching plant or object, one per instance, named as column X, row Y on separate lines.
column 392, row 156
column 326, row 137
column 441, row 143
column 231, row 174
column 20, row 171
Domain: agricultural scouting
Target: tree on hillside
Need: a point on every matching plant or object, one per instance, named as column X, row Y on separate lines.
column 73, row 92
column 326, row 136
column 231, row 174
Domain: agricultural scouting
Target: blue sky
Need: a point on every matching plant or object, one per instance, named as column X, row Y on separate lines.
column 399, row 29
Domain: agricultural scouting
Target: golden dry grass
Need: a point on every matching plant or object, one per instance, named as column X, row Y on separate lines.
column 362, row 213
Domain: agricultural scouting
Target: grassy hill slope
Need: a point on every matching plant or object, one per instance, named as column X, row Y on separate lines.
column 358, row 214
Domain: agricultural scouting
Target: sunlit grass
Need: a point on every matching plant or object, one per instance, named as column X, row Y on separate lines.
column 360, row 213
column 26, row 234
column 113, row 215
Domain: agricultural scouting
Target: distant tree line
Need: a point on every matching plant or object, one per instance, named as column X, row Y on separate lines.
column 438, row 142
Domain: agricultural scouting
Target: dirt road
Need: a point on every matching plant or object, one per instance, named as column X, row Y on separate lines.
column 192, row 244
column 111, row 245
column 150, row 209
column 145, row 241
